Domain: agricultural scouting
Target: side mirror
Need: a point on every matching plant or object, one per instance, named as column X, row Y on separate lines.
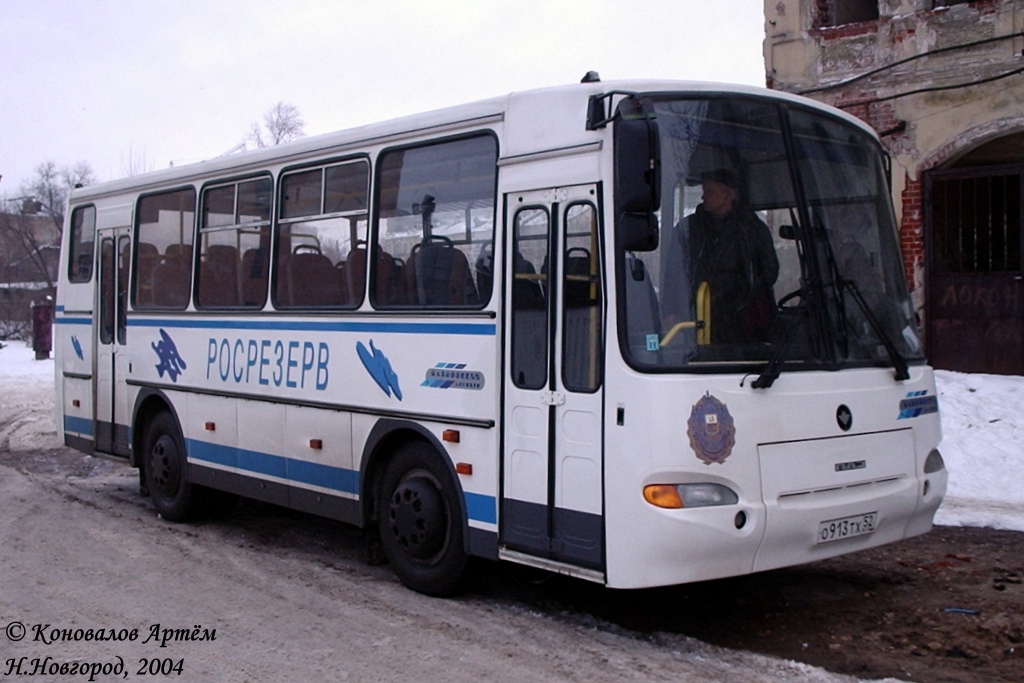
column 637, row 232
column 637, row 159
column 637, row 170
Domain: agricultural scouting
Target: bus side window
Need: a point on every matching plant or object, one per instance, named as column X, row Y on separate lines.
column 321, row 236
column 167, row 222
column 436, row 212
column 83, row 228
column 235, row 229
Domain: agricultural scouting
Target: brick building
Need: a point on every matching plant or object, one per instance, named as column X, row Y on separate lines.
column 942, row 82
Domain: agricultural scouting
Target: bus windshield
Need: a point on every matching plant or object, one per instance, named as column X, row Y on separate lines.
column 777, row 245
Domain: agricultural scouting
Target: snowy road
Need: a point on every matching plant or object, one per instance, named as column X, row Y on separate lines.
column 288, row 598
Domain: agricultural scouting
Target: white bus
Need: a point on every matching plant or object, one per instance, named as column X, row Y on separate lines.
column 497, row 330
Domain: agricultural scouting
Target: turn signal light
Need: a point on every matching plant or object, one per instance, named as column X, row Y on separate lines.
column 675, row 496
column 663, row 496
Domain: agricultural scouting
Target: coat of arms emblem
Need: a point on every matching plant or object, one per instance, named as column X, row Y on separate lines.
column 711, row 430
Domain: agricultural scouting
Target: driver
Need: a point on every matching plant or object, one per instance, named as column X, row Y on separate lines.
column 732, row 250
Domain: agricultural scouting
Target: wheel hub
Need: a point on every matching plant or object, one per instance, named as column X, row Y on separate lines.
column 417, row 518
column 163, row 462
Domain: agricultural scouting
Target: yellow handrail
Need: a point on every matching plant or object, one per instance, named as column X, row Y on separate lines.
column 704, row 313
column 702, row 323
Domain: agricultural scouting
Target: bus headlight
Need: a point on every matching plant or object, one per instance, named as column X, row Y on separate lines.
column 676, row 496
column 934, row 463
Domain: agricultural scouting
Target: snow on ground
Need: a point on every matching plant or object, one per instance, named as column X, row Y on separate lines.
column 26, row 400
column 983, row 446
column 982, row 426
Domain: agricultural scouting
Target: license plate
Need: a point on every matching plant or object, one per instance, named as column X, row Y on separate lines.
column 847, row 527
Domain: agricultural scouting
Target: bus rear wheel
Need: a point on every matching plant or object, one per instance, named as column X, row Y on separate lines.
column 420, row 521
column 166, row 469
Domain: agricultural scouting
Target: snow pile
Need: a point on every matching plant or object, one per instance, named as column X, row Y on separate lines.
column 982, row 426
column 983, row 446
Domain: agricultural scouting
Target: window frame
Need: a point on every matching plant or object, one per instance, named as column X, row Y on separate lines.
column 237, row 226
column 75, row 244
column 280, row 222
column 137, row 240
column 377, row 248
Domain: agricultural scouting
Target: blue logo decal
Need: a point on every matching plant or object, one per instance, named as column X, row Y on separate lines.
column 711, row 430
column 77, row 346
column 171, row 361
column 379, row 367
column 453, row 376
column 918, row 403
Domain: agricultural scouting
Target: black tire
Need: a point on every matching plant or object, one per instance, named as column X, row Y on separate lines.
column 166, row 470
column 420, row 521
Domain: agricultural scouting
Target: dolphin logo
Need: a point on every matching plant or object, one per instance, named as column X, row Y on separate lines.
column 379, row 367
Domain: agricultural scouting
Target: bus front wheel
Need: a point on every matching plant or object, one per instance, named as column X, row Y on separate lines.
column 420, row 521
column 166, row 469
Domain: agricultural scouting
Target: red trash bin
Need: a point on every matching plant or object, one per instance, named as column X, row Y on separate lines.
column 42, row 329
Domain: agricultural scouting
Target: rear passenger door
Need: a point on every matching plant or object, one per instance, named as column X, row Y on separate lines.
column 552, row 496
column 111, row 357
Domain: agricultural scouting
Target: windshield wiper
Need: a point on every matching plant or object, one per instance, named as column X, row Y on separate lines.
column 842, row 285
column 772, row 371
column 898, row 361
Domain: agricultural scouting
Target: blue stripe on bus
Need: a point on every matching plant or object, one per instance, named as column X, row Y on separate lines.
column 479, row 507
column 487, row 329
column 63, row 320
column 77, row 425
column 334, row 478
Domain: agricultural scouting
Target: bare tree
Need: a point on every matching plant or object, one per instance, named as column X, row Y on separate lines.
column 281, row 123
column 135, row 164
column 49, row 188
column 30, row 230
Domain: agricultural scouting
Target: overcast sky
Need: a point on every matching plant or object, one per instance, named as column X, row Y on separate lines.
column 122, row 83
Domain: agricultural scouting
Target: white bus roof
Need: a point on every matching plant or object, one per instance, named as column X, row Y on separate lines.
column 564, row 130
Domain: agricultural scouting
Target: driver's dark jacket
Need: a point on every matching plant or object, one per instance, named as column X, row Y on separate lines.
column 736, row 256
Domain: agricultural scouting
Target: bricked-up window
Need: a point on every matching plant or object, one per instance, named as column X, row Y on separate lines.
column 839, row 12
column 977, row 223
